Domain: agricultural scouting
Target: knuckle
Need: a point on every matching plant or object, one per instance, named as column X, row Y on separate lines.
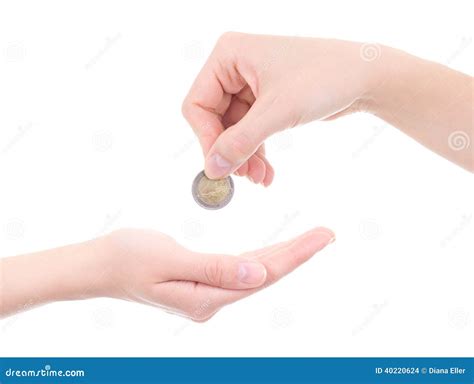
column 201, row 318
column 241, row 145
column 203, row 312
column 229, row 43
column 206, row 133
column 226, row 37
column 361, row 105
column 186, row 108
column 214, row 272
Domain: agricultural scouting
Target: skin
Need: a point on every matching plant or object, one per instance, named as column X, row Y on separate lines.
column 250, row 88
column 253, row 86
column 151, row 268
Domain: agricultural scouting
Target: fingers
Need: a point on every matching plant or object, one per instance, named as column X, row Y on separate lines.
column 239, row 142
column 269, row 175
column 224, row 271
column 206, row 125
column 264, row 167
column 201, row 301
column 210, row 96
column 222, row 98
column 281, row 259
column 290, row 255
column 257, row 169
column 200, row 108
column 238, row 107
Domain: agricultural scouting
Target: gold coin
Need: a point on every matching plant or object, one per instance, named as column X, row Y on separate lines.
column 212, row 194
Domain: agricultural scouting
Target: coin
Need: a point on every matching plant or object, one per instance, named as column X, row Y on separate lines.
column 212, row 194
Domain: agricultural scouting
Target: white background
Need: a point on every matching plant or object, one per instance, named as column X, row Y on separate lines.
column 91, row 133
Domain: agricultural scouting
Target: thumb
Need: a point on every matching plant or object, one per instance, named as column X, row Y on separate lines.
column 224, row 271
column 237, row 143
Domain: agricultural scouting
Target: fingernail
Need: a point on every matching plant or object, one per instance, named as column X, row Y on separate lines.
column 217, row 166
column 252, row 273
column 323, row 239
column 250, row 178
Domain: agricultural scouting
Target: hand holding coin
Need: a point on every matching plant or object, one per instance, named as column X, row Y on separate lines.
column 212, row 194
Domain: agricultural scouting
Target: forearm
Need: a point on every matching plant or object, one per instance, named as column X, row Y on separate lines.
column 66, row 273
column 428, row 101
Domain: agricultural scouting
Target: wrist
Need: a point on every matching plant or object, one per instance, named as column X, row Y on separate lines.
column 72, row 272
column 389, row 74
column 78, row 271
column 94, row 269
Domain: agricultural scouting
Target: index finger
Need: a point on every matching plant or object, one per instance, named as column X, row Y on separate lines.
column 210, row 96
column 200, row 107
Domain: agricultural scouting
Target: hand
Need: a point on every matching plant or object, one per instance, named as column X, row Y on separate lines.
column 151, row 268
column 253, row 86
